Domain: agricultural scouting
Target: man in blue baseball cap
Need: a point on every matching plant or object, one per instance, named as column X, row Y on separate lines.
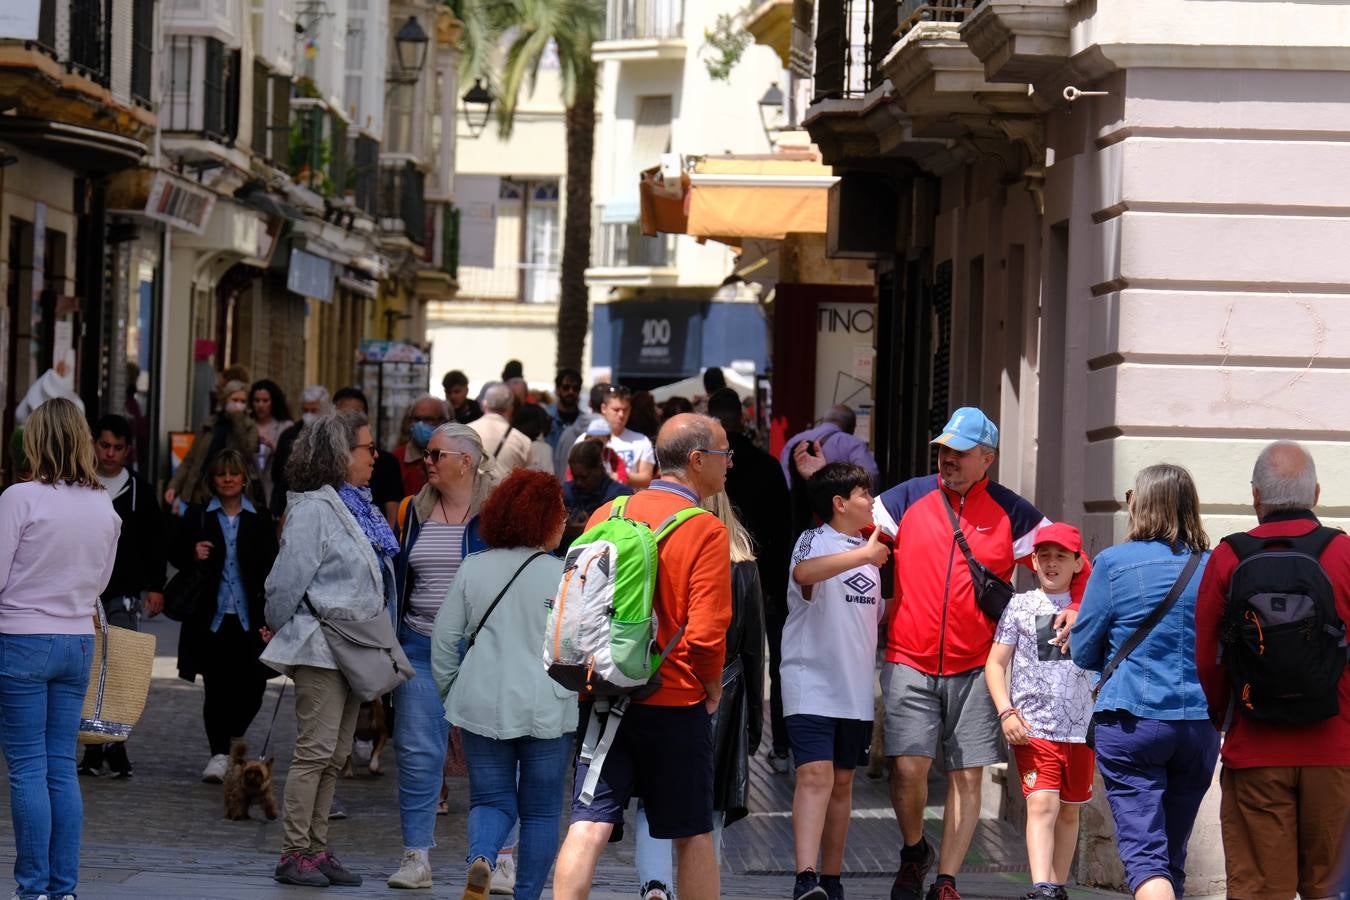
column 939, row 638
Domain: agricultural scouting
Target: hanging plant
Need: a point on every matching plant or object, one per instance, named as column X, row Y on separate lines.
column 726, row 42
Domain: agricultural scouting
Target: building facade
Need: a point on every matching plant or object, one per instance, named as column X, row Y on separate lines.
column 1111, row 225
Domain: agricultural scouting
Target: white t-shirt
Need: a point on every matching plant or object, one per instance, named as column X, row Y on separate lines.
column 1054, row 696
column 830, row 641
column 632, row 447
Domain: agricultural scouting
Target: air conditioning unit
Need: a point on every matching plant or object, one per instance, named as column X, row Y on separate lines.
column 863, row 210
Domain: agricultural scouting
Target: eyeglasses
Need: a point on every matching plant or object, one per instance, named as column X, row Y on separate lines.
column 370, row 447
column 727, row 453
column 434, row 456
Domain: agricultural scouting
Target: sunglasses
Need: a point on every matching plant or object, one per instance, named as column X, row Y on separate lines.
column 617, row 390
column 434, row 456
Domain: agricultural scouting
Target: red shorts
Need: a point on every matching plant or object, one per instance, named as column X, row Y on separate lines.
column 1055, row 766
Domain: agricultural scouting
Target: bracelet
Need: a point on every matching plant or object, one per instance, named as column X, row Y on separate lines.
column 1010, row 711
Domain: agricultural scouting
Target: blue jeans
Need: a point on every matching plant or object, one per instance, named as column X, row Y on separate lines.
column 421, row 737
column 1156, row 773
column 42, row 684
column 519, row 778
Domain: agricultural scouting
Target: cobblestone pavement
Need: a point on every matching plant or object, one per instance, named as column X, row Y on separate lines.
column 161, row 834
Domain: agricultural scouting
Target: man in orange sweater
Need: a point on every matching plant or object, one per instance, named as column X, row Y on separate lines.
column 663, row 751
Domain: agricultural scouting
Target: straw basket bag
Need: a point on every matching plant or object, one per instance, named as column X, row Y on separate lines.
column 119, row 681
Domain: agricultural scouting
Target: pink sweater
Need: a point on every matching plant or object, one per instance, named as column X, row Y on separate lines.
column 57, row 546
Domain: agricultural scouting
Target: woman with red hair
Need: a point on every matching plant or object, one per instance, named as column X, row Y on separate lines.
column 516, row 722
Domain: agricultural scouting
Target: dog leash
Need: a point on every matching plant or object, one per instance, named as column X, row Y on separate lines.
column 276, row 709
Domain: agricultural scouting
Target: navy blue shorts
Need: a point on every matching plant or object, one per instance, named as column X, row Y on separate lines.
column 663, row 754
column 845, row 742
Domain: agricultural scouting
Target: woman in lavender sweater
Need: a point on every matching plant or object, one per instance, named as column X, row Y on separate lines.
column 58, row 539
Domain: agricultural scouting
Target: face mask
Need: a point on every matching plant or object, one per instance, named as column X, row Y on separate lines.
column 234, row 407
column 422, row 432
column 308, row 418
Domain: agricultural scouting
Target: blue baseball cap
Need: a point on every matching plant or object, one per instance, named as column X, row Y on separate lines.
column 967, row 427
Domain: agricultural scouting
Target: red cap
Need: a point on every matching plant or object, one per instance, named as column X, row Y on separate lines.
column 1065, row 536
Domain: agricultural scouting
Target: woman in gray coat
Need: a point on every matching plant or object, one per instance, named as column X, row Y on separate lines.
column 337, row 550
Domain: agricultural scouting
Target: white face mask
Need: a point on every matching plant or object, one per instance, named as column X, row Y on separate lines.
column 234, row 406
column 308, row 418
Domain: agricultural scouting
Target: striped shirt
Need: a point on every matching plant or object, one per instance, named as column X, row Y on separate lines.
column 434, row 561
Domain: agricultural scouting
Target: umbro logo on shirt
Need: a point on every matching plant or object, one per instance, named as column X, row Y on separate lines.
column 860, row 583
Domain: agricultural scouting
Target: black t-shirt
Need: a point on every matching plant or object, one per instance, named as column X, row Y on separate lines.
column 386, row 482
column 469, row 412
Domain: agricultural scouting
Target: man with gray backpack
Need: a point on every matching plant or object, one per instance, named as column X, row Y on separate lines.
column 638, row 626
column 1270, row 647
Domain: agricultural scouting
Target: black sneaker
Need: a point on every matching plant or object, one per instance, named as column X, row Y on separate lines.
column 808, row 888
column 833, row 887
column 1047, row 892
column 116, row 756
column 333, row 869
column 301, row 869
column 908, row 884
column 943, row 889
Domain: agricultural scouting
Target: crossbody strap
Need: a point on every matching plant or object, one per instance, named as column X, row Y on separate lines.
column 1140, row 633
column 502, row 442
column 960, row 535
column 473, row 637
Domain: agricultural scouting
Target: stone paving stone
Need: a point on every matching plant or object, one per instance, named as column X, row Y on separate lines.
column 162, row 833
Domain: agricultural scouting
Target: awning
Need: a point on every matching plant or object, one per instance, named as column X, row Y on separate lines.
column 730, row 198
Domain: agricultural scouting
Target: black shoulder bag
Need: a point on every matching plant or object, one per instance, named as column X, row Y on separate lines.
column 1140, row 633
column 992, row 594
column 468, row 641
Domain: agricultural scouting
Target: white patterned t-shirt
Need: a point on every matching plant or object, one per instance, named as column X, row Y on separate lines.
column 1054, row 696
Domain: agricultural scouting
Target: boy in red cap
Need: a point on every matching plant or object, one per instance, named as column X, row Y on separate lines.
column 1044, row 709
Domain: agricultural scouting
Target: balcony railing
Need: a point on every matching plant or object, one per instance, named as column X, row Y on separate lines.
column 645, row 19
column 202, row 94
column 403, row 205
column 625, row 246
column 365, row 176
column 854, row 36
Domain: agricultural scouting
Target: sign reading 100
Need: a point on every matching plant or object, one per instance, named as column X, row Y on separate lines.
column 655, row 331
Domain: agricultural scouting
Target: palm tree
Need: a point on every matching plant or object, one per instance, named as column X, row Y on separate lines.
column 527, row 29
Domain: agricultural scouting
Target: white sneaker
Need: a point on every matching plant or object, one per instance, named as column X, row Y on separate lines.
column 504, row 876
column 414, row 872
column 214, row 773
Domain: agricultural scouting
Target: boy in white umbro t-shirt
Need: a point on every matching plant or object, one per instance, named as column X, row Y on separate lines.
column 828, row 668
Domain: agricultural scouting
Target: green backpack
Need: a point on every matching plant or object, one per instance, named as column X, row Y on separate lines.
column 601, row 636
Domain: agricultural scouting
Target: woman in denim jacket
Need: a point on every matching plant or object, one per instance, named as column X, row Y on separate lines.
column 1156, row 748
column 438, row 529
column 337, row 551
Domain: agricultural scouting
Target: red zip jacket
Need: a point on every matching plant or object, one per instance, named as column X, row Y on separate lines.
column 1249, row 743
column 937, row 628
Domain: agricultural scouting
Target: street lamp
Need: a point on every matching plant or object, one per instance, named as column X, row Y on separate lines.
column 477, row 107
column 771, row 111
column 411, row 44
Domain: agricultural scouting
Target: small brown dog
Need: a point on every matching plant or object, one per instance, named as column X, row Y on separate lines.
column 371, row 728
column 248, row 781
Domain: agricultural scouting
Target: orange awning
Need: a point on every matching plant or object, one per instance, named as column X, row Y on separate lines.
column 730, row 198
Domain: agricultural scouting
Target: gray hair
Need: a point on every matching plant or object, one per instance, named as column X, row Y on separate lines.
column 317, row 393
column 464, row 439
column 672, row 454
column 497, row 397
column 323, row 451
column 1286, row 476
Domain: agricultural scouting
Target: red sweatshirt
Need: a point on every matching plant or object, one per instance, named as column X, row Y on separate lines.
column 1250, row 743
column 693, row 586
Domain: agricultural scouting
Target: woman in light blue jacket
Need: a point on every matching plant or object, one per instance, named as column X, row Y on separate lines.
column 517, row 723
column 1156, row 748
column 337, row 550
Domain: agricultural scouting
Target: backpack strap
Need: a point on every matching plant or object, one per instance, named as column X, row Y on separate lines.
column 676, row 520
column 403, row 514
column 1314, row 543
column 618, row 505
column 605, row 719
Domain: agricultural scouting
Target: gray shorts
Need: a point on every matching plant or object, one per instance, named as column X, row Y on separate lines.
column 953, row 710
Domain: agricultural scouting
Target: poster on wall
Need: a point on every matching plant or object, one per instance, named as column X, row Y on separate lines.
column 844, row 351
column 19, row 19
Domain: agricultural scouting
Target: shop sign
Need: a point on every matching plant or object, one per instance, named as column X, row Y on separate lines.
column 310, row 276
column 844, row 352
column 656, row 338
column 177, row 203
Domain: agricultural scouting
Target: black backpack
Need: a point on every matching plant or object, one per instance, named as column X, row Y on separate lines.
column 1281, row 638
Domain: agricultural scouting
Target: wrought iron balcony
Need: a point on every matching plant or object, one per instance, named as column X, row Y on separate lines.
column 854, row 36
column 644, row 19
column 402, row 202
column 620, row 246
